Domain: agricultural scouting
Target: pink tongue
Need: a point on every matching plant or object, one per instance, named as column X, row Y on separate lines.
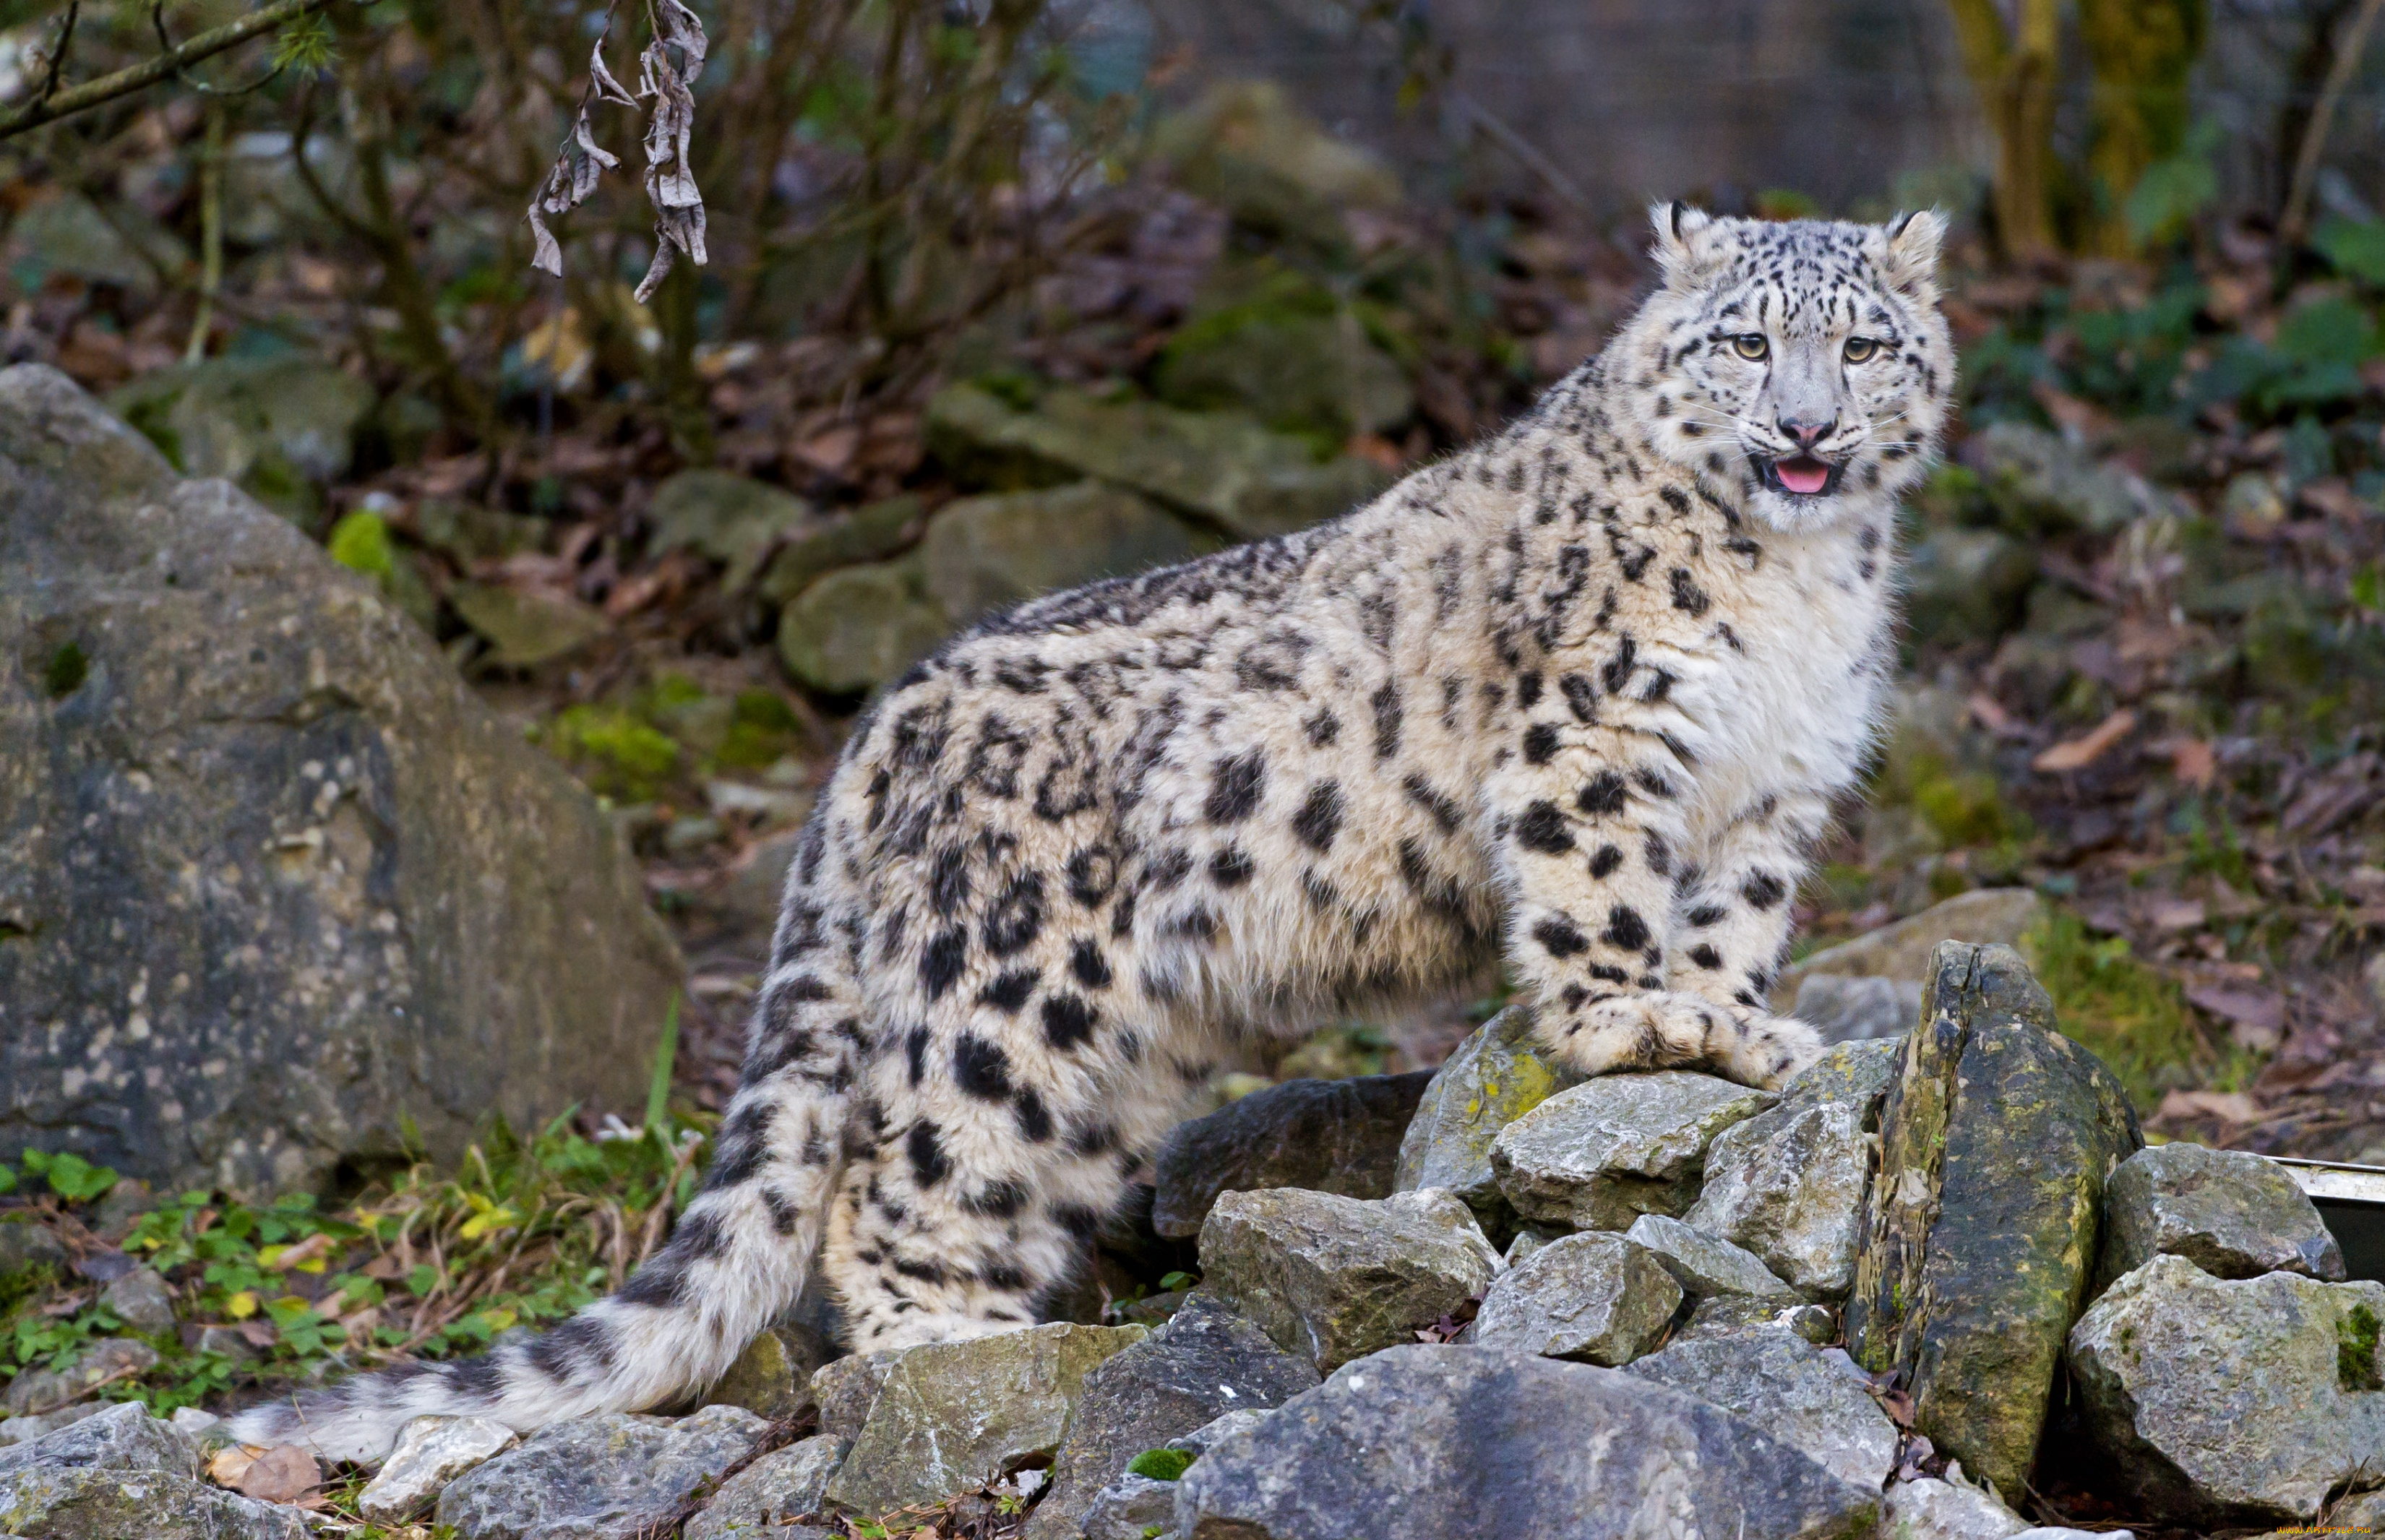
column 1804, row 477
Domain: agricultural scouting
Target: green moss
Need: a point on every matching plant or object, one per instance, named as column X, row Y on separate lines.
column 360, row 542
column 67, row 670
column 620, row 754
column 2355, row 1350
column 1169, row 1464
column 2129, row 1016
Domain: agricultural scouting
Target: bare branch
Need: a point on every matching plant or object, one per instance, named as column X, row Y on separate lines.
column 2314, row 146
column 52, row 105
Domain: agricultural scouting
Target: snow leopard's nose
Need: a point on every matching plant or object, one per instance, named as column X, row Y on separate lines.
column 1806, row 434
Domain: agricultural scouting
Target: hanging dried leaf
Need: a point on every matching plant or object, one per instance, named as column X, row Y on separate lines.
column 579, row 163
column 668, row 71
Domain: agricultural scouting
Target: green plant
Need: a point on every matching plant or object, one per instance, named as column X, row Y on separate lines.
column 69, row 1175
column 1160, row 1464
column 2129, row 1016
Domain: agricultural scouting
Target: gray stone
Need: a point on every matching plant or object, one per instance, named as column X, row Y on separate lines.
column 153, row 1505
column 1933, row 1509
column 731, row 520
column 845, row 1389
column 101, row 1362
column 1852, row 1009
column 25, row 1243
column 1130, row 1508
column 1324, row 1135
column 1331, row 1279
column 1494, row 1078
column 773, row 1377
column 525, row 628
column 782, row 1486
column 1208, row 1436
column 869, row 532
column 1291, row 367
column 1427, row 1442
column 24, row 1430
column 1726, row 1316
column 66, row 233
column 607, row 1477
column 1792, row 1193
column 385, row 904
column 1596, row 1297
column 2233, row 1400
column 141, row 1301
column 953, row 1415
column 1786, row 1387
column 1219, row 466
column 984, row 554
column 858, row 627
column 1203, row 1363
column 120, row 1437
column 1967, row 585
column 2039, row 484
column 1244, row 146
column 1900, row 952
column 431, row 1453
column 1600, row 1155
column 1700, row 1263
column 1997, row 1137
column 2232, row 1214
column 283, row 429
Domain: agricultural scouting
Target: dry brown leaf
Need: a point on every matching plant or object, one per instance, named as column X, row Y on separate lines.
column 281, row 1475
column 668, row 71
column 2077, row 754
column 2256, row 1016
column 2177, row 914
column 580, row 164
column 231, row 1463
column 2231, row 1106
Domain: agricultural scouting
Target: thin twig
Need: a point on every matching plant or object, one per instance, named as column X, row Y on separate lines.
column 58, row 59
column 2330, row 96
column 49, row 108
column 1527, row 154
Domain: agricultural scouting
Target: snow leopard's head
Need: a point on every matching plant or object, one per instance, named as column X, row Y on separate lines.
column 1805, row 362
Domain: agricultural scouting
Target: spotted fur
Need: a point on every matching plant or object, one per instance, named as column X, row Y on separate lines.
column 1580, row 695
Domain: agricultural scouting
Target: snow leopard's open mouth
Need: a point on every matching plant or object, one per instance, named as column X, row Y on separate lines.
column 1801, row 475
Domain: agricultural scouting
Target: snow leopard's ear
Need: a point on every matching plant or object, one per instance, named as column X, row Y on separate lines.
column 1687, row 244
column 1908, row 257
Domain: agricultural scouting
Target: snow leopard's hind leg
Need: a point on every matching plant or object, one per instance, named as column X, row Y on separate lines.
column 738, row 1255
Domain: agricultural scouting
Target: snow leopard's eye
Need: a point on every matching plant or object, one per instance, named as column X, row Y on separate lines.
column 1751, row 347
column 1860, row 349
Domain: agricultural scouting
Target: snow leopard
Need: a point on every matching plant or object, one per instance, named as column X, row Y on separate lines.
column 1577, row 699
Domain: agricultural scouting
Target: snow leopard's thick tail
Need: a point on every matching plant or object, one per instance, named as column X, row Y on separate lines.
column 739, row 1256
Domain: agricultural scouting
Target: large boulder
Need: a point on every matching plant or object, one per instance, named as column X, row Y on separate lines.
column 1222, row 467
column 2232, row 1214
column 610, row 1477
column 1204, row 1362
column 1997, row 1137
column 1788, row 1185
column 1449, row 1443
column 1331, row 1279
column 1596, row 1297
column 1794, row 1392
column 272, row 879
column 283, row 428
column 729, row 519
column 1324, row 1135
column 1602, row 1153
column 1494, row 1078
column 857, row 627
column 984, row 554
column 124, row 1473
column 953, row 1415
column 2229, row 1401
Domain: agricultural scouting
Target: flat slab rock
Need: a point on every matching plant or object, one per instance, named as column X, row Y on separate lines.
column 1330, row 1279
column 1204, row 1362
column 431, row 1453
column 2233, row 1400
column 1597, row 1297
column 1703, row 1265
column 121, row 1437
column 598, row 1478
column 1449, row 1443
column 1600, row 1155
column 1323, row 1135
column 2232, row 1214
column 1794, row 1392
column 121, row 1473
column 1494, row 1078
column 951, row 1415
column 1997, row 1136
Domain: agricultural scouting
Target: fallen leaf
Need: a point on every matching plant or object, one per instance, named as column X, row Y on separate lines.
column 2191, row 759
column 282, row 1258
column 1988, row 713
column 832, row 450
column 2077, row 754
column 2232, row 1107
column 2177, row 914
column 231, row 1463
column 2256, row 1016
column 282, row 1475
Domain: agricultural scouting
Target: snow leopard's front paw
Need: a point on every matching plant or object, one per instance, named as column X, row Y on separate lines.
column 1670, row 1029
